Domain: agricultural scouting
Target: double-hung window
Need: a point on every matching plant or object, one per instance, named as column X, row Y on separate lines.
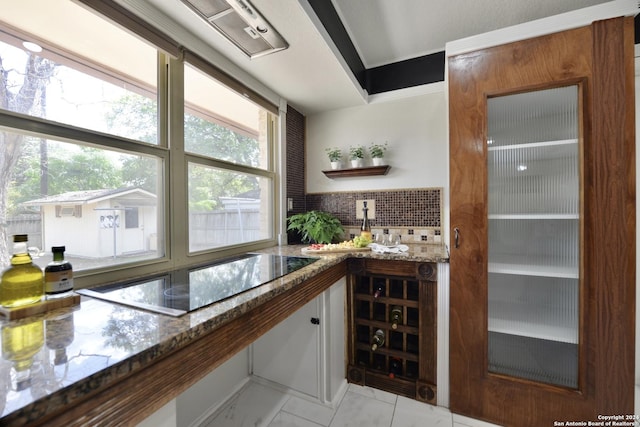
column 90, row 123
column 230, row 184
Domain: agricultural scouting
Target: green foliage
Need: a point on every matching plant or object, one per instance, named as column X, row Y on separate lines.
column 68, row 170
column 335, row 154
column 207, row 185
column 377, row 150
column 140, row 172
column 211, row 139
column 318, row 226
column 88, row 169
column 134, row 116
column 68, row 167
column 356, row 152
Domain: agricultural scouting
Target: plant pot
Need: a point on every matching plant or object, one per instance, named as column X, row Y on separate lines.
column 378, row 161
column 335, row 165
column 356, row 163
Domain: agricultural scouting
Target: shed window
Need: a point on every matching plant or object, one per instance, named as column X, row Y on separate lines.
column 131, row 218
column 68, row 210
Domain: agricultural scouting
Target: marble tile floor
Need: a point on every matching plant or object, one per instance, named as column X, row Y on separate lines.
column 260, row 405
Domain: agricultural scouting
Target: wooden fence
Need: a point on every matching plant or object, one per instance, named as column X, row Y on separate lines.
column 25, row 224
column 206, row 229
column 221, row 228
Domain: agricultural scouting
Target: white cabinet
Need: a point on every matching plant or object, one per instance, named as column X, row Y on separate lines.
column 288, row 354
column 305, row 353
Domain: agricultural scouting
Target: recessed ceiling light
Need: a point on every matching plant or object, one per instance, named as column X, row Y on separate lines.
column 33, row 47
column 522, row 168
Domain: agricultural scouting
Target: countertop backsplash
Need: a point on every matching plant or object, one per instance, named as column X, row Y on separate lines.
column 414, row 214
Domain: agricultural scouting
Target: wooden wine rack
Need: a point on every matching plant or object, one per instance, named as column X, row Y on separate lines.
column 406, row 363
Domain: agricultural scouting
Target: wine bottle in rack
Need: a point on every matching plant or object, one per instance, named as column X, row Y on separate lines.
column 378, row 340
column 395, row 316
column 378, row 292
column 395, row 367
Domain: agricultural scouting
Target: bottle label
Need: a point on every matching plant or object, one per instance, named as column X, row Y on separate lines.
column 58, row 281
column 365, row 234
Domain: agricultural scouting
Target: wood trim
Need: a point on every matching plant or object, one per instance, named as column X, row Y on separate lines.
column 131, row 400
column 598, row 58
column 355, row 172
column 611, row 204
column 428, row 321
column 423, row 386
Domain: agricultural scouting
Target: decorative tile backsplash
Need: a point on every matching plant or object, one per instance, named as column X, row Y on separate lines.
column 415, row 214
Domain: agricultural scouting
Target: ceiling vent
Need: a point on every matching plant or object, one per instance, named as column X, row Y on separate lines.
column 242, row 24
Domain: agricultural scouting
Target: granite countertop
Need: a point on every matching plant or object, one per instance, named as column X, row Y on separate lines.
column 75, row 351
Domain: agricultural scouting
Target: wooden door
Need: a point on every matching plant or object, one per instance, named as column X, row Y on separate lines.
column 598, row 62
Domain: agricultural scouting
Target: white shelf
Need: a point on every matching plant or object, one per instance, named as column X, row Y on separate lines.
column 532, row 321
column 534, row 216
column 506, row 264
column 543, row 144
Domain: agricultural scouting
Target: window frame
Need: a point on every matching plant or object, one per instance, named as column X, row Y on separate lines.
column 174, row 161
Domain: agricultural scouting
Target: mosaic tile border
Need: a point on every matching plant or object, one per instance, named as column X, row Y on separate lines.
column 407, row 235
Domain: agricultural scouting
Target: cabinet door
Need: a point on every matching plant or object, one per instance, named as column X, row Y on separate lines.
column 543, row 225
column 288, row 354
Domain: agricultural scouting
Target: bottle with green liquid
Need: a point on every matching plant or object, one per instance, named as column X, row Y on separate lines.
column 22, row 282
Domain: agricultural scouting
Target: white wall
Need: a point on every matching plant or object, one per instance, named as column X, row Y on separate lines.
column 415, row 128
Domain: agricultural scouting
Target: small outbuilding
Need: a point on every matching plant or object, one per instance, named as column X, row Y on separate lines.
column 99, row 223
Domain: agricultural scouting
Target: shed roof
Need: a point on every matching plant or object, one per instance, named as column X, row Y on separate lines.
column 128, row 196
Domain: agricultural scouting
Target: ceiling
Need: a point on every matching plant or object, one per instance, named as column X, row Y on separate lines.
column 313, row 76
column 385, row 31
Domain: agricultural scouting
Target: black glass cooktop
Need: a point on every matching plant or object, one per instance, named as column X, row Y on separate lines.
column 185, row 290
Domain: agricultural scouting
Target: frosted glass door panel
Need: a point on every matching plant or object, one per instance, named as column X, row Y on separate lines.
column 537, row 178
column 534, row 246
column 534, row 235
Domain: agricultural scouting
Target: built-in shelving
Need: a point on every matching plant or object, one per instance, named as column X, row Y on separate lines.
column 547, row 323
column 533, row 174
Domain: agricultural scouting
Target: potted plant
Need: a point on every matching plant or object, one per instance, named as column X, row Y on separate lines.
column 316, row 227
column 377, row 153
column 335, row 156
column 356, row 154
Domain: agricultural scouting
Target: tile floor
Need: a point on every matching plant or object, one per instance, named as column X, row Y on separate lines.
column 259, row 405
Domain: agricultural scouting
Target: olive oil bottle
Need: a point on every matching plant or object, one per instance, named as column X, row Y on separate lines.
column 23, row 282
column 20, row 343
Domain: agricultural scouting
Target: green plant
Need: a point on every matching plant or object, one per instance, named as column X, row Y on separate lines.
column 335, row 154
column 317, row 226
column 356, row 152
column 377, row 150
